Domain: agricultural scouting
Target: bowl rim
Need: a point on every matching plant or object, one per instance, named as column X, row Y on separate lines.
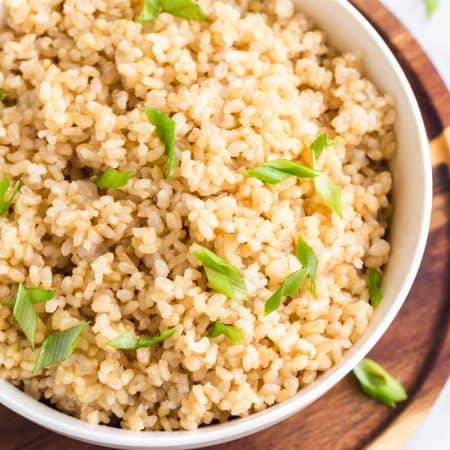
column 103, row 435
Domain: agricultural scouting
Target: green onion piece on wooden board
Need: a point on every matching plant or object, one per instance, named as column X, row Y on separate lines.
column 377, row 383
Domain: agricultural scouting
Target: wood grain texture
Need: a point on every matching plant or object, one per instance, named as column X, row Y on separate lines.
column 416, row 347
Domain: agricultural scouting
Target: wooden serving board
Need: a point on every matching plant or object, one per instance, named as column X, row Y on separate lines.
column 416, row 348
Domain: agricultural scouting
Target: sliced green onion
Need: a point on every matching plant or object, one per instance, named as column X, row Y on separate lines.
column 290, row 287
column 222, row 276
column 5, row 204
column 374, row 282
column 58, row 347
column 377, row 383
column 150, row 11
column 234, row 334
column 431, row 7
column 320, row 144
column 126, row 341
column 324, row 185
column 25, row 314
column 278, row 170
column 186, row 9
column 3, row 95
column 330, row 193
column 35, row 295
column 165, row 127
column 113, row 179
column 305, row 254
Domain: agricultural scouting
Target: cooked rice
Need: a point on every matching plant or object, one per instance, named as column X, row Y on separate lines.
column 256, row 82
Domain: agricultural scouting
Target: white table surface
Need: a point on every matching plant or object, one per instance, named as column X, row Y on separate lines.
column 433, row 34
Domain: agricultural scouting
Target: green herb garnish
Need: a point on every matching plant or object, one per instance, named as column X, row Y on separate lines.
column 290, row 287
column 126, row 341
column 374, row 282
column 3, row 95
column 324, row 185
column 35, row 295
column 233, row 334
column 320, row 144
column 222, row 276
column 330, row 192
column 113, row 179
column 58, row 347
column 305, row 254
column 150, row 11
column 5, row 204
column 377, row 383
column 278, row 170
column 25, row 314
column 165, row 127
column 186, row 9
column 431, row 6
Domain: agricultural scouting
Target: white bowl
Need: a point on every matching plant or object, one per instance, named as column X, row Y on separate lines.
column 412, row 194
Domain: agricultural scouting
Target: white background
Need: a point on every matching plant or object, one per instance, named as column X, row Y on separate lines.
column 433, row 34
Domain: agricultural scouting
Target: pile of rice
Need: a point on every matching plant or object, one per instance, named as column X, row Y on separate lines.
column 256, row 82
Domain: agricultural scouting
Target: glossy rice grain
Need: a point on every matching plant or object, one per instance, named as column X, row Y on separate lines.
column 257, row 82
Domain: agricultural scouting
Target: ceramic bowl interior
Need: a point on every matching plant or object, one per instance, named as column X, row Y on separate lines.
column 347, row 30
